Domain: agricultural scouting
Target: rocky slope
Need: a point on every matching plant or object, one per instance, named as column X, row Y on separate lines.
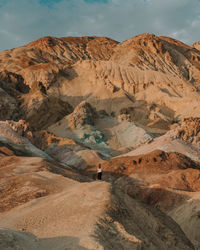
column 166, row 181
column 44, row 209
column 68, row 104
column 196, row 45
column 155, row 79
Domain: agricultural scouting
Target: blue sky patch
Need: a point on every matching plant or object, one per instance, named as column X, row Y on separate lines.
column 23, row 21
column 51, row 2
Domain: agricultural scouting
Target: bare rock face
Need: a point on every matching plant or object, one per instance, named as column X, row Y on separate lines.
column 76, row 48
column 22, row 128
column 11, row 87
column 189, row 130
column 84, row 114
column 45, row 74
column 13, row 83
column 8, row 106
column 48, row 141
column 12, row 143
column 196, row 45
column 168, row 51
column 139, row 72
column 42, row 111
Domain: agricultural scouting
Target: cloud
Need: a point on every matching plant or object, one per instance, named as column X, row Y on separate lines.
column 23, row 21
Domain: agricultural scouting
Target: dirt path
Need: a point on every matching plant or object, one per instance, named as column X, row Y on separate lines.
column 65, row 218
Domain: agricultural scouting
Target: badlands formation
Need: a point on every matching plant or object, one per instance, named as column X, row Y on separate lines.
column 68, row 104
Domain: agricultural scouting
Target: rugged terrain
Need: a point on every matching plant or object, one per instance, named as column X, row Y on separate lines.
column 68, row 104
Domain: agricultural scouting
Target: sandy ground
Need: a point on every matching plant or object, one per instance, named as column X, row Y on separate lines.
column 68, row 217
column 167, row 144
column 74, row 215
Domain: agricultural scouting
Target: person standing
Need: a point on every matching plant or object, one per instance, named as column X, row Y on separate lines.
column 99, row 171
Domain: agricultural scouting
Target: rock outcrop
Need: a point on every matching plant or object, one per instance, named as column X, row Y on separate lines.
column 137, row 74
column 68, row 104
column 42, row 111
column 22, row 128
column 8, row 107
column 83, row 114
column 189, row 130
column 196, row 45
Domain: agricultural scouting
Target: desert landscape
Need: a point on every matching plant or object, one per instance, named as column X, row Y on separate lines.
column 68, row 104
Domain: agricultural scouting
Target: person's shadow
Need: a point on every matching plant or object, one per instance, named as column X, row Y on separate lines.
column 10, row 239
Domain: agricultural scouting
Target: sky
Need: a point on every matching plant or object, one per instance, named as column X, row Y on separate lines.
column 23, row 21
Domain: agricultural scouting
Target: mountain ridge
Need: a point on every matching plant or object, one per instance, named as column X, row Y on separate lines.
column 69, row 104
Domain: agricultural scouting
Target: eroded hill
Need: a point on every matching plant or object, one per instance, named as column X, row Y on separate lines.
column 68, row 104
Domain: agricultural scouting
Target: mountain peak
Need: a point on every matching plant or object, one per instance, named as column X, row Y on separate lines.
column 85, row 101
column 196, row 45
